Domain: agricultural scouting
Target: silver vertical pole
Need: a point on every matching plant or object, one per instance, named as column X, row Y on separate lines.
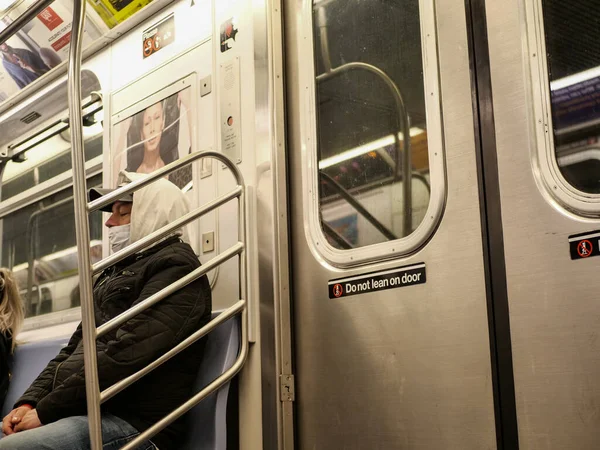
column 82, row 229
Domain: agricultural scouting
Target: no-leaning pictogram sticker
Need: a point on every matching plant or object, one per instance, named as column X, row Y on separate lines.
column 584, row 249
column 585, row 245
column 338, row 290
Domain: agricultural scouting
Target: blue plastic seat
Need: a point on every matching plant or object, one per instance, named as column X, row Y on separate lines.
column 29, row 361
column 207, row 429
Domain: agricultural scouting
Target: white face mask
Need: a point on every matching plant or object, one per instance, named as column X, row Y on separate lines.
column 119, row 237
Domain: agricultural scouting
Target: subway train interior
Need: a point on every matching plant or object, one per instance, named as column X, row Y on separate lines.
column 397, row 207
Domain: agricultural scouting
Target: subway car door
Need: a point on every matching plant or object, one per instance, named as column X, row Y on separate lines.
column 545, row 83
column 391, row 339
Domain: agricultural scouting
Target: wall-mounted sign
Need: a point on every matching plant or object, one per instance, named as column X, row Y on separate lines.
column 158, row 36
column 113, row 12
column 585, row 245
column 378, row 281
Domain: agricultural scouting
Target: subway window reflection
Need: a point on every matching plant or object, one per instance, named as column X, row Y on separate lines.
column 38, row 245
column 38, row 236
column 373, row 164
column 573, row 54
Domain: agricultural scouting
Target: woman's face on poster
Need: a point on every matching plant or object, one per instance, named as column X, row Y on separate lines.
column 152, row 127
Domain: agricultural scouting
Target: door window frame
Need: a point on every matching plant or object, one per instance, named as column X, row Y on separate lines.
column 402, row 247
column 549, row 177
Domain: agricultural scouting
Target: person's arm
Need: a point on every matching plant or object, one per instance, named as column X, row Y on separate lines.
column 43, row 384
column 32, row 62
column 14, row 70
column 137, row 342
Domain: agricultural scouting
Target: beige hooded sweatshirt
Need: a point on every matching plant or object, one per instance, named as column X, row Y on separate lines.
column 155, row 206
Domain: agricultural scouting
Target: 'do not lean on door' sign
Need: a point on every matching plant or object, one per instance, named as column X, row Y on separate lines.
column 378, row 281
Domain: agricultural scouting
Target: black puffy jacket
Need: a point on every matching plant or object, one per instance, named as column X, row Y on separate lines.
column 59, row 391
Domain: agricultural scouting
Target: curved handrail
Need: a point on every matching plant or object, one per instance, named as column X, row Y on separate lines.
column 86, row 269
column 158, row 235
column 404, row 125
column 422, row 179
column 400, row 106
column 83, row 208
column 171, row 167
column 236, row 250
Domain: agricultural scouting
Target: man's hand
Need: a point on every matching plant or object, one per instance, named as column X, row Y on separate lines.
column 13, row 418
column 29, row 421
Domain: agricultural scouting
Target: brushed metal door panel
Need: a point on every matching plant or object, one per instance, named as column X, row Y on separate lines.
column 406, row 368
column 554, row 308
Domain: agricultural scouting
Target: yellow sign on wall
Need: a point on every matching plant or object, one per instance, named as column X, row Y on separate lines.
column 113, row 12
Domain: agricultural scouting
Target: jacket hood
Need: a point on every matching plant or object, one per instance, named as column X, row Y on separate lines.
column 155, row 206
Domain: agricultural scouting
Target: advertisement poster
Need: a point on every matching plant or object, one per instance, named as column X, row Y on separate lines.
column 154, row 137
column 37, row 48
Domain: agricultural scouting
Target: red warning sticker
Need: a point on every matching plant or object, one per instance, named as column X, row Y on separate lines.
column 586, row 245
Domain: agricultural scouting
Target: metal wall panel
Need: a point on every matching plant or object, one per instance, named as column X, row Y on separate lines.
column 553, row 301
column 406, row 368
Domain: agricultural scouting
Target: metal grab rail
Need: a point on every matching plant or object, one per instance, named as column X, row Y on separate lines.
column 403, row 117
column 212, row 387
column 110, row 392
column 236, row 250
column 241, row 306
column 169, row 290
column 337, row 237
column 86, row 269
column 405, row 126
column 82, row 229
column 157, row 235
column 142, row 182
column 54, row 128
column 23, row 19
column 358, row 206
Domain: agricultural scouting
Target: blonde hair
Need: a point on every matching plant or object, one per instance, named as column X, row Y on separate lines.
column 11, row 306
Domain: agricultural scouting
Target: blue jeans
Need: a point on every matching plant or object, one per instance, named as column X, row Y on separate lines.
column 72, row 434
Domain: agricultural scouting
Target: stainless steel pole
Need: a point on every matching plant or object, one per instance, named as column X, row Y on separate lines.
column 82, row 228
